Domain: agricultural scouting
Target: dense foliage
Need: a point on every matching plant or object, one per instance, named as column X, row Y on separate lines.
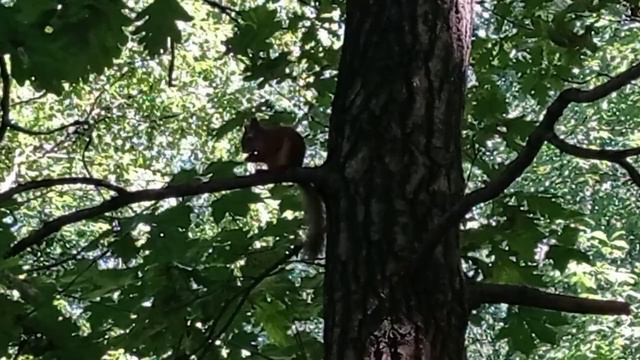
column 148, row 93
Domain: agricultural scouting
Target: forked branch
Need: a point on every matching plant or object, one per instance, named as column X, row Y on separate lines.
column 614, row 156
column 534, row 143
column 485, row 293
column 300, row 175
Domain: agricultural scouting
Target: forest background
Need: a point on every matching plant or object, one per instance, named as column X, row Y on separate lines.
column 115, row 95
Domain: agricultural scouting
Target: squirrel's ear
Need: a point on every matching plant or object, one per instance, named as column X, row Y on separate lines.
column 254, row 122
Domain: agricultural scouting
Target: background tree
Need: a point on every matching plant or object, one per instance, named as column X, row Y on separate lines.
column 154, row 255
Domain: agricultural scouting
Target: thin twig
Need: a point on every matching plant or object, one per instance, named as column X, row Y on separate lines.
column 300, row 342
column 89, row 266
column 212, row 335
column 83, row 156
column 25, row 101
column 230, row 12
column 471, row 164
column 65, row 260
column 21, row 346
column 85, row 164
column 98, row 303
column 172, row 62
column 5, row 102
column 18, row 128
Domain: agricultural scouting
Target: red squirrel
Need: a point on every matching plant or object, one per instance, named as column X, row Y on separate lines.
column 281, row 148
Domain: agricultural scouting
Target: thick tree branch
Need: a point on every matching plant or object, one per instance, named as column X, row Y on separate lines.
column 46, row 183
column 517, row 166
column 485, row 293
column 5, row 103
column 300, row 175
column 615, row 156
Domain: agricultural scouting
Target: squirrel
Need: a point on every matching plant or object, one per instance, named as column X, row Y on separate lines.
column 282, row 148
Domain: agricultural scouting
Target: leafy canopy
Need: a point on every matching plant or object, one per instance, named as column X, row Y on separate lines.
column 164, row 277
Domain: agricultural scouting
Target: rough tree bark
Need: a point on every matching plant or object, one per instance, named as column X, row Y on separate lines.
column 395, row 154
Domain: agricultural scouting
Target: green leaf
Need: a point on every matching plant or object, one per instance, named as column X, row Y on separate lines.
column 103, row 318
column 324, row 85
column 288, row 197
column 108, row 280
column 7, row 238
column 214, row 276
column 505, row 269
column 542, row 323
column 283, row 228
column 562, row 255
column 273, row 318
column 553, row 318
column 125, row 247
column 10, row 327
column 282, row 118
column 253, row 35
column 542, row 331
column 235, row 244
column 159, row 24
column 305, row 346
column 547, row 206
column 235, row 203
column 228, row 126
column 521, row 233
column 34, row 11
column 266, row 69
column 184, row 176
column 517, row 131
column 519, row 337
column 474, row 239
column 258, row 261
column 169, row 236
column 221, row 169
column 91, row 33
column 58, row 332
column 568, row 236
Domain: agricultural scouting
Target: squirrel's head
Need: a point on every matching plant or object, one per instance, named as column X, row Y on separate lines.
column 251, row 136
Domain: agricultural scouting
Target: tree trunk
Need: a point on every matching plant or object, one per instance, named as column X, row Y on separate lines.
column 395, row 147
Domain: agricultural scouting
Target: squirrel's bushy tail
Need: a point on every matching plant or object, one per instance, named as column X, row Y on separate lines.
column 313, row 210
